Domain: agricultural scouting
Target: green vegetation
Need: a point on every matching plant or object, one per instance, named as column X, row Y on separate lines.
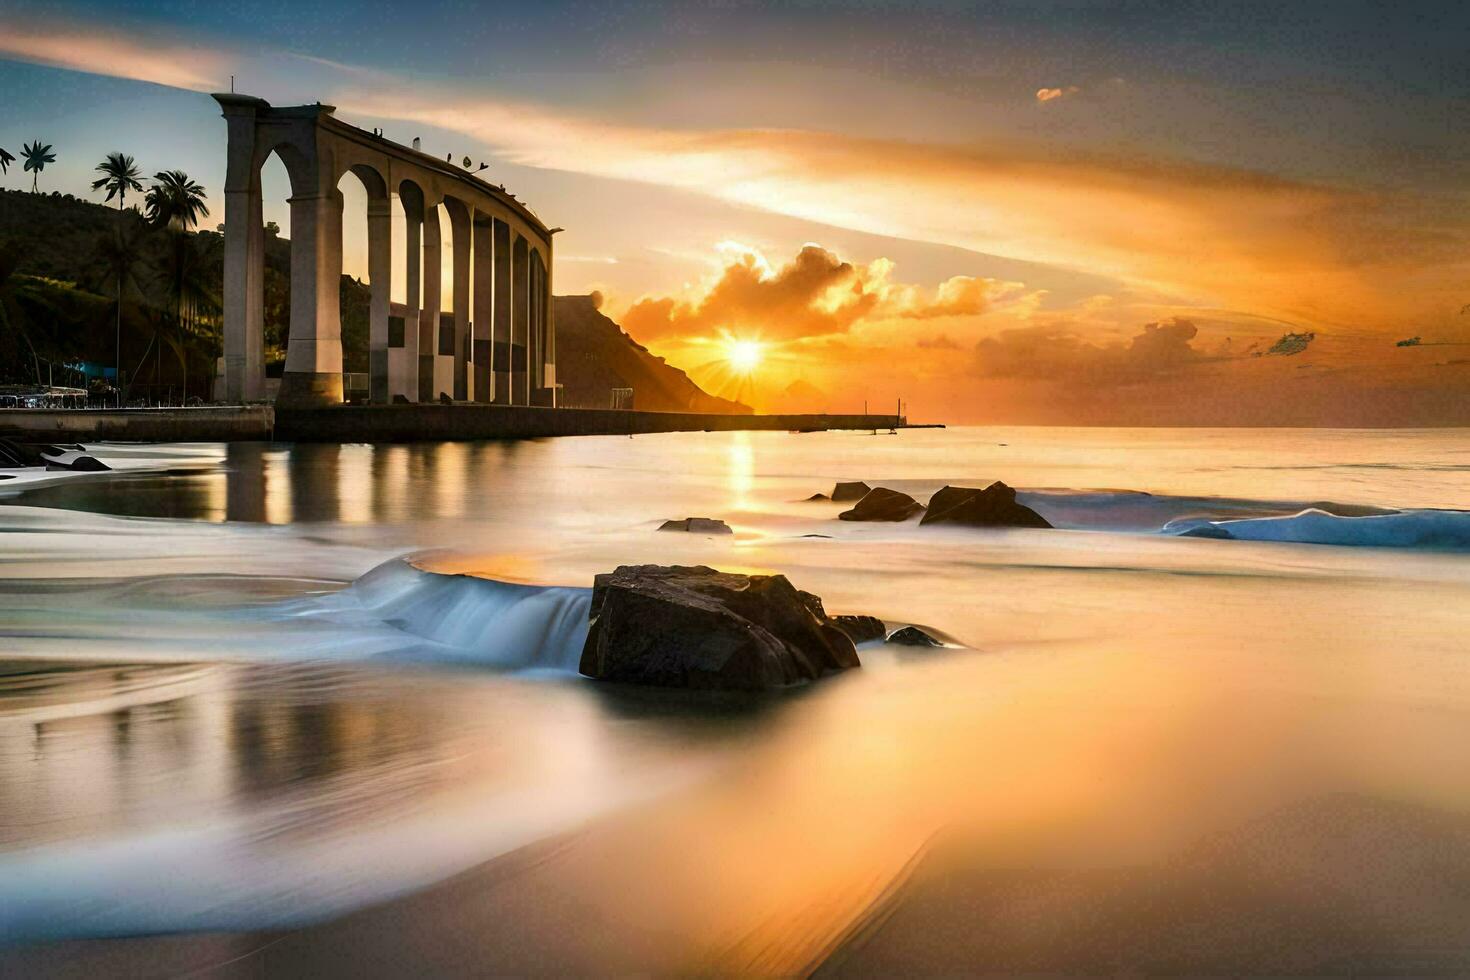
column 158, row 292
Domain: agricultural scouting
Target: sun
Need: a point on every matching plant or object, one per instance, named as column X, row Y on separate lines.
column 744, row 356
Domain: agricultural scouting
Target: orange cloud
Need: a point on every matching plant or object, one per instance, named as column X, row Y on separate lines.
column 815, row 294
column 1055, row 355
column 1310, row 252
column 87, row 48
column 1049, row 94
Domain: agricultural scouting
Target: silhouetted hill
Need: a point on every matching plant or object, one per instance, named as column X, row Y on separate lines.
column 594, row 355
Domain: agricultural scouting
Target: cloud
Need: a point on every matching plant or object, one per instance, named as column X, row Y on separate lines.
column 1050, row 94
column 1054, row 354
column 941, row 342
column 1311, row 253
column 815, row 294
column 87, row 48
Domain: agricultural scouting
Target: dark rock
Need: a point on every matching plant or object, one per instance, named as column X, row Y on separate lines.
column 819, row 496
column 698, row 628
column 882, row 504
column 995, row 506
column 849, row 491
column 88, row 464
column 861, row 629
column 1207, row 530
column 697, row 525
column 912, row 636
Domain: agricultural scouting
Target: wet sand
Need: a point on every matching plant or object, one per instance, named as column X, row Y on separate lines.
column 1338, row 885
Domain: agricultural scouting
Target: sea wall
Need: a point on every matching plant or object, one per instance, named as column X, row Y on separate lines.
column 236, row 423
column 389, row 423
column 420, row 423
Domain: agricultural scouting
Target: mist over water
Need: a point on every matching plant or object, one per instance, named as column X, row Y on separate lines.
column 225, row 704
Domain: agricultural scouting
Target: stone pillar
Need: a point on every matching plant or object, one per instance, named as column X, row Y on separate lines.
column 549, row 328
column 503, row 296
column 484, row 314
column 413, row 227
column 380, row 274
column 520, row 323
column 429, row 313
column 313, row 375
column 244, row 258
column 459, row 228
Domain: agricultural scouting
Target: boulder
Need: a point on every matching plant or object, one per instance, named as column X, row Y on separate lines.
column 995, row 506
column 818, row 496
column 87, row 464
column 912, row 636
column 882, row 504
column 849, row 491
column 697, row 525
column 702, row 629
column 861, row 629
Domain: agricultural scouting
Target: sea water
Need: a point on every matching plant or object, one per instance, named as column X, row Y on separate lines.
column 250, row 686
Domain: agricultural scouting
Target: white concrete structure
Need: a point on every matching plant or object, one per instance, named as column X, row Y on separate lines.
column 498, row 345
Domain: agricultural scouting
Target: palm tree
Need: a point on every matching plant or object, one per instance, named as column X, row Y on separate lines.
column 6, row 159
column 177, row 203
column 119, row 175
column 175, row 200
column 118, row 259
column 36, row 156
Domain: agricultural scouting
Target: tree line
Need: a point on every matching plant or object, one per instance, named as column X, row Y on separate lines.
column 173, row 205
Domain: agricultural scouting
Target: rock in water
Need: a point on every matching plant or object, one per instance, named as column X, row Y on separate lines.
column 861, row 629
column 882, row 504
column 912, row 636
column 849, row 491
column 698, row 628
column 697, row 525
column 995, row 506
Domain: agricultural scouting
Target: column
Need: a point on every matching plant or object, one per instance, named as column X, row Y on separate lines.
column 313, row 375
column 429, row 314
column 520, row 323
column 407, row 383
column 484, row 316
column 244, row 258
column 501, row 332
column 380, row 272
column 549, row 334
column 459, row 228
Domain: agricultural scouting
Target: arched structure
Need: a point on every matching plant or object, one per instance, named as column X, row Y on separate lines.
column 501, row 349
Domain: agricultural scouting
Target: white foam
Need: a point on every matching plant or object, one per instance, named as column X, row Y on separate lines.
column 1445, row 529
column 460, row 618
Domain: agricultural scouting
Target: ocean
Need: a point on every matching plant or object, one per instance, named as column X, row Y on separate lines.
column 1218, row 718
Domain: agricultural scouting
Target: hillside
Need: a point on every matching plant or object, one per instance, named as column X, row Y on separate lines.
column 594, row 356
column 56, row 250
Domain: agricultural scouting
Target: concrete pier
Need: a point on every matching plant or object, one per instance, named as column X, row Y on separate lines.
column 390, row 423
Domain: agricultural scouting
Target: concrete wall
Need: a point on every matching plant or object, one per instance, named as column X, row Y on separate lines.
column 389, row 423
column 249, row 423
column 434, row 423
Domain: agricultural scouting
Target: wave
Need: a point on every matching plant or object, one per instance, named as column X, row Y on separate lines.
column 1436, row 529
column 1137, row 510
column 458, row 618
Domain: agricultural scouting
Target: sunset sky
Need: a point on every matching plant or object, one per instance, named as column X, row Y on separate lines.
column 1062, row 211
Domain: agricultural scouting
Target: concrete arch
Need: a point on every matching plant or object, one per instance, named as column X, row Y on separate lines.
column 493, row 237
